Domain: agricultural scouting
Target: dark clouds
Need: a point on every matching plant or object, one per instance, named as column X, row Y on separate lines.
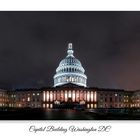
column 33, row 43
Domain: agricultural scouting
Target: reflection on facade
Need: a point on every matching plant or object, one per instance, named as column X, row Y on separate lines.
column 70, row 88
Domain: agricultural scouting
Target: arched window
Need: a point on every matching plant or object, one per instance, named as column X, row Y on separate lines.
column 72, row 69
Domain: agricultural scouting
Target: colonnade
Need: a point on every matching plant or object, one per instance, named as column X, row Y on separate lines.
column 76, row 96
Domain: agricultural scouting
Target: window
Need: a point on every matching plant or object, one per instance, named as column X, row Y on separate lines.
column 28, row 99
column 120, row 100
column 95, row 105
column 91, row 105
column 47, row 105
column 43, row 105
column 87, row 105
column 51, row 105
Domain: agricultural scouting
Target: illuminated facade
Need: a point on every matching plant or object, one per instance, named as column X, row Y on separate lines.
column 69, row 95
column 114, row 98
column 135, row 99
column 69, row 91
column 31, row 98
column 90, row 98
column 70, row 70
column 4, row 98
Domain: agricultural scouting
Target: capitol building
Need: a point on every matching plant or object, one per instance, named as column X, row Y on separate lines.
column 70, row 90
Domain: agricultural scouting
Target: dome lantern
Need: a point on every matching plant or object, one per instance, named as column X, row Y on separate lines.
column 70, row 51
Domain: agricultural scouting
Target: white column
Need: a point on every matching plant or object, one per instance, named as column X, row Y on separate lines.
column 91, row 96
column 66, row 96
column 88, row 96
column 95, row 96
column 73, row 96
column 47, row 96
column 69, row 94
column 51, row 96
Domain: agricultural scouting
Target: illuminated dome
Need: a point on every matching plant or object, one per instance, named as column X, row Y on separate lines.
column 70, row 70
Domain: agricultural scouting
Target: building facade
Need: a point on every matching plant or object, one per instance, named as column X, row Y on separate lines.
column 70, row 90
column 135, row 99
column 4, row 98
column 31, row 98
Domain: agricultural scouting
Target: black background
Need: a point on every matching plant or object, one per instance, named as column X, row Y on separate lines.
column 33, row 43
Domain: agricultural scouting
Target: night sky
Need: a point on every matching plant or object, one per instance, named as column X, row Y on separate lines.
column 33, row 43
